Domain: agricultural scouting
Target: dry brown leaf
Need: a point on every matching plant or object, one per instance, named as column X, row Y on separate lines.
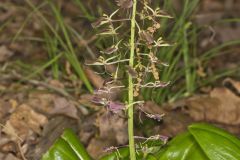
column 96, row 147
column 229, row 107
column 11, row 132
column 53, row 104
column 10, row 157
column 41, row 101
column 23, row 122
column 113, row 127
column 64, row 107
column 198, row 106
column 221, row 106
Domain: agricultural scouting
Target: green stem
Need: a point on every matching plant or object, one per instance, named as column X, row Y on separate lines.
column 130, row 86
column 186, row 57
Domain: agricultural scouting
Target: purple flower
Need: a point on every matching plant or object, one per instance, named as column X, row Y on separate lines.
column 115, row 107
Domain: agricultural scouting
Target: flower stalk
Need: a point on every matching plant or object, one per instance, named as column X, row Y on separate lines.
column 131, row 85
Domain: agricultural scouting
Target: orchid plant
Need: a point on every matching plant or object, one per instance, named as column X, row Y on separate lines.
column 134, row 55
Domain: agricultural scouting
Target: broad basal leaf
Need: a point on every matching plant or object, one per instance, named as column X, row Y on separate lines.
column 182, row 147
column 217, row 144
column 67, row 147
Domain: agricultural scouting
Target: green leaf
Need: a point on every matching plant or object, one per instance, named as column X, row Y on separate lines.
column 182, row 147
column 60, row 151
column 73, row 141
column 216, row 143
column 151, row 157
column 67, row 147
column 202, row 142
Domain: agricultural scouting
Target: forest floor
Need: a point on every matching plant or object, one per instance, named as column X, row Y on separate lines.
column 34, row 112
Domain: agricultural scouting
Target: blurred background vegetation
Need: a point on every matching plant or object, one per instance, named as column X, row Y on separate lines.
column 61, row 34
